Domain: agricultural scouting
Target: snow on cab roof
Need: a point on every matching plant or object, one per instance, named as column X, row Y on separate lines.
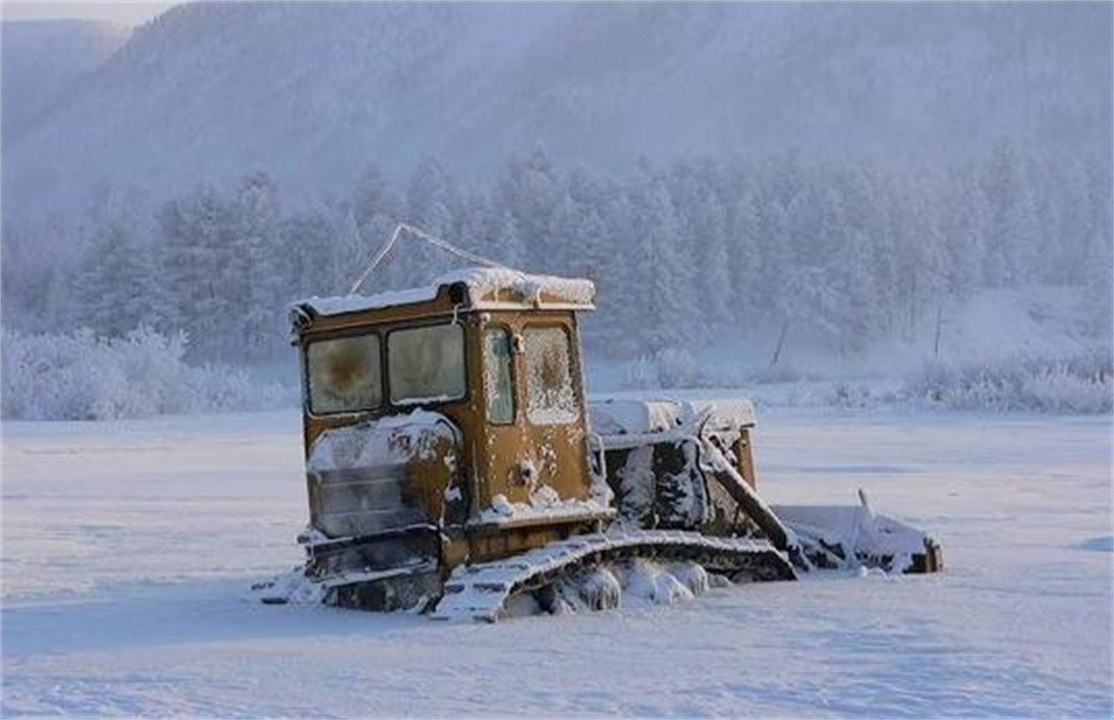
column 489, row 288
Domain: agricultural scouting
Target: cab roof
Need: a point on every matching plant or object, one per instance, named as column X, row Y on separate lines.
column 480, row 288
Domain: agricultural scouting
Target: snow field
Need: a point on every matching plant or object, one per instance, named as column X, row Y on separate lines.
column 128, row 549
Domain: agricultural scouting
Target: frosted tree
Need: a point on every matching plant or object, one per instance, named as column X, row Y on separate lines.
column 195, row 229
column 114, row 282
column 1024, row 232
column 619, row 286
column 577, row 234
column 309, row 243
column 506, row 246
column 964, row 230
column 714, row 264
column 1002, row 184
column 256, row 272
column 862, row 317
column 847, row 251
column 432, row 204
column 748, row 232
column 565, row 239
column 921, row 259
column 350, row 253
column 372, row 197
column 664, row 297
column 1099, row 288
column 33, row 284
column 835, row 270
column 781, row 281
column 529, row 189
column 476, row 220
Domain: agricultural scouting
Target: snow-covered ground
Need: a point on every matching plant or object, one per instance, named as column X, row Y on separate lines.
column 128, row 548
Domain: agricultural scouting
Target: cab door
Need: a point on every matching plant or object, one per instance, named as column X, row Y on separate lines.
column 553, row 402
column 533, row 411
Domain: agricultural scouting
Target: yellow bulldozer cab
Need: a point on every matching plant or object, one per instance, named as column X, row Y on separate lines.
column 494, row 354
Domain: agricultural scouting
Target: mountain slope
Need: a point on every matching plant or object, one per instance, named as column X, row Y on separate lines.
column 41, row 60
column 313, row 92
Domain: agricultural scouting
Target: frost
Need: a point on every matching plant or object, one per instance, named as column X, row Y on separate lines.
column 550, row 396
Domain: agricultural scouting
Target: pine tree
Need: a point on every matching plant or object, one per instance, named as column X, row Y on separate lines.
column 196, row 262
column 506, row 246
column 255, row 275
column 431, row 204
column 749, row 232
column 1099, row 288
column 113, row 281
column 665, row 300
column 308, row 240
column 563, row 237
column 708, row 227
column 1002, row 186
column 529, row 189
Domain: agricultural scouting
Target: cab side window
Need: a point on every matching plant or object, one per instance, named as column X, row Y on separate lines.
column 498, row 384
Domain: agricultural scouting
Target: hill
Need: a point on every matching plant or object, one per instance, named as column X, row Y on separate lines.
column 207, row 92
column 40, row 61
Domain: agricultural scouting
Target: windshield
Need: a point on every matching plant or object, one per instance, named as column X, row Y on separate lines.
column 343, row 375
column 426, row 364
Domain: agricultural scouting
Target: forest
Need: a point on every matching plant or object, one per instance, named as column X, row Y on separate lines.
column 693, row 253
column 193, row 293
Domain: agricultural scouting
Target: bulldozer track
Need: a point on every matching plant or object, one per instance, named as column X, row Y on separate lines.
column 480, row 591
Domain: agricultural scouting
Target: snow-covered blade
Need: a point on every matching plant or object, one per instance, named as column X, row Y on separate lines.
column 850, row 536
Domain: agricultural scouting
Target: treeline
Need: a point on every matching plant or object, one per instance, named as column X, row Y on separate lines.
column 696, row 252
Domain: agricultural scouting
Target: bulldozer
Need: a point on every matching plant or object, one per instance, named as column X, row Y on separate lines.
column 455, row 466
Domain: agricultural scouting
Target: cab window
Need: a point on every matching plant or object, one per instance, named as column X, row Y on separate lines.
column 426, row 364
column 343, row 375
column 550, row 394
column 498, row 386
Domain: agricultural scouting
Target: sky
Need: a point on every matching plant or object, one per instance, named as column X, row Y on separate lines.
column 125, row 13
